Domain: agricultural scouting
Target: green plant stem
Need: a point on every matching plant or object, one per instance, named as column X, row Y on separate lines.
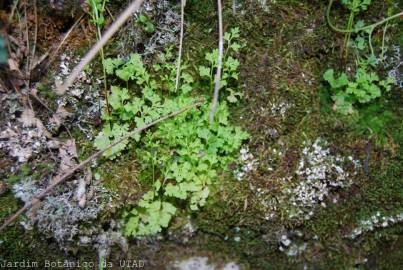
column 95, row 16
column 355, row 30
column 348, row 35
column 370, row 42
column 110, row 13
column 211, row 77
column 105, row 82
column 383, row 41
column 227, row 49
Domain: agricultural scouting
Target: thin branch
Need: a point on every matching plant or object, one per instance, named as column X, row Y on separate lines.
column 66, row 35
column 123, row 17
column 10, row 18
column 35, row 32
column 110, row 13
column 27, row 40
column 80, row 166
column 178, row 68
column 214, row 103
column 356, row 30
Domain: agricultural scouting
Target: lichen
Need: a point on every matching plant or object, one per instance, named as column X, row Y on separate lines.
column 166, row 21
column 59, row 215
column 319, row 173
column 375, row 221
column 201, row 263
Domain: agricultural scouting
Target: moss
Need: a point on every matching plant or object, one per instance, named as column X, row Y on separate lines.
column 32, row 171
column 232, row 223
column 46, row 91
column 224, row 208
column 12, row 179
column 381, row 192
column 387, row 254
column 270, row 75
column 18, row 244
column 121, row 176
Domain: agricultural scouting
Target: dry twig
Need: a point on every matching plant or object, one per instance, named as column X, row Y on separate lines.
column 35, row 34
column 214, row 103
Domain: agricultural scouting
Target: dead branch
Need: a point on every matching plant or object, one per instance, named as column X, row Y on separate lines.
column 214, row 103
column 178, row 68
column 80, row 166
column 13, row 10
column 35, row 34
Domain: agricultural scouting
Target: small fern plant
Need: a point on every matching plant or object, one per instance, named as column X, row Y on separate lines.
column 181, row 157
column 363, row 88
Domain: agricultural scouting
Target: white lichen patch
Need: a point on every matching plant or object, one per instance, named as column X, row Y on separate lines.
column 246, row 162
column 294, row 249
column 264, row 4
column 279, row 109
column 394, row 63
column 292, row 243
column 67, row 63
column 275, row 155
column 167, row 28
column 166, row 23
column 83, row 97
column 375, row 221
column 59, row 215
column 318, row 174
column 184, row 233
column 201, row 263
column 25, row 135
column 105, row 240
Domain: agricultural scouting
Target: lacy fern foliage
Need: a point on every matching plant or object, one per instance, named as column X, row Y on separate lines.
column 181, row 157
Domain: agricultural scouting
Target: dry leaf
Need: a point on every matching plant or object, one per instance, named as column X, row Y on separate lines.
column 58, row 118
column 81, row 194
column 28, row 118
column 13, row 65
column 53, row 144
column 42, row 129
column 67, row 154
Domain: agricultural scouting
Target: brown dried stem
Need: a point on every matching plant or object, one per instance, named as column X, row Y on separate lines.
column 214, row 103
column 178, row 68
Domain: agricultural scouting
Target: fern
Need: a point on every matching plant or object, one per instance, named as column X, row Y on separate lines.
column 365, row 88
column 184, row 154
